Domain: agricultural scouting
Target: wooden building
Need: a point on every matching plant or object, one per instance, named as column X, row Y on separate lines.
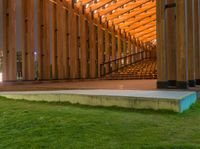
column 81, row 39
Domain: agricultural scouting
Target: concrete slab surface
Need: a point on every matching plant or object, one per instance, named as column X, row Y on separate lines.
column 177, row 101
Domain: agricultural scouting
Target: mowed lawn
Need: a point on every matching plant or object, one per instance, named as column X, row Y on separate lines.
column 26, row 124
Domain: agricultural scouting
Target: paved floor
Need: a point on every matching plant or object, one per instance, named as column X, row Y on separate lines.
column 94, row 84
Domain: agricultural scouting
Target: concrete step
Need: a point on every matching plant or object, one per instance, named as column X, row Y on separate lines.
column 177, row 101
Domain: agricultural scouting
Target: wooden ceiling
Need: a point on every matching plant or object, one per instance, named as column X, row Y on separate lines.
column 133, row 17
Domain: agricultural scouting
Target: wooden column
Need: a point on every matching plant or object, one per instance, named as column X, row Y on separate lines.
column 54, row 43
column 92, row 50
column 107, row 47
column 190, row 45
column 43, row 40
column 124, row 47
column 83, row 42
column 100, row 50
column 62, row 49
column 171, row 43
column 119, row 54
column 196, row 41
column 9, row 40
column 114, row 48
column 129, row 49
column 28, row 40
column 182, row 73
column 74, row 47
column 161, row 50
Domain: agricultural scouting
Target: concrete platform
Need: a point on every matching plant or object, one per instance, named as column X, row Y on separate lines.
column 177, row 101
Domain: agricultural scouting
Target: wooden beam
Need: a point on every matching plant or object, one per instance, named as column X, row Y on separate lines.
column 92, row 40
column 182, row 73
column 9, row 40
column 100, row 50
column 43, row 40
column 28, row 65
column 190, row 45
column 161, row 50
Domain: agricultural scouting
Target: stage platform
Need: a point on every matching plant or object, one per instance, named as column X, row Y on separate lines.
column 177, row 101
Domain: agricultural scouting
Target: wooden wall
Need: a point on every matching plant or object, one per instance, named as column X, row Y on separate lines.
column 71, row 44
column 178, row 43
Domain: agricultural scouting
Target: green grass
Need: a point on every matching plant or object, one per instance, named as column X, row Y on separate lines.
column 26, row 124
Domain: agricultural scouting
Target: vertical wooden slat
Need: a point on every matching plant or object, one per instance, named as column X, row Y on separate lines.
column 9, row 40
column 190, row 45
column 114, row 48
column 107, row 49
column 54, row 43
column 61, row 41
column 129, row 49
column 182, row 76
column 100, row 49
column 28, row 39
column 74, row 47
column 171, row 44
column 119, row 54
column 92, row 50
column 43, row 40
column 83, row 42
column 196, row 41
column 161, row 50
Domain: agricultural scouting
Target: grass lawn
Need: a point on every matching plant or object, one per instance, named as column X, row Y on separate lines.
column 26, row 124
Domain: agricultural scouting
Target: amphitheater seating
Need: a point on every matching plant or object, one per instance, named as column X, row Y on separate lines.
column 145, row 69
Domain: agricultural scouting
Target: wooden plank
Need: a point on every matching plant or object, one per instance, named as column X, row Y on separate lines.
column 43, row 40
column 161, row 49
column 171, row 44
column 54, row 42
column 92, row 39
column 114, row 48
column 83, row 42
column 129, row 50
column 119, row 54
column 190, row 45
column 28, row 40
column 100, row 50
column 107, row 49
column 196, row 42
column 74, row 73
column 9, row 40
column 182, row 80
column 61, row 41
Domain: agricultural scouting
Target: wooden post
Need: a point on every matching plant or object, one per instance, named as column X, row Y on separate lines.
column 62, row 49
column 124, row 47
column 100, row 50
column 54, row 43
column 161, row 50
column 182, row 77
column 74, row 47
column 129, row 49
column 83, row 44
column 171, row 43
column 119, row 54
column 114, row 48
column 107, row 47
column 28, row 40
column 43, row 40
column 9, row 40
column 190, row 45
column 92, row 50
column 196, row 41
